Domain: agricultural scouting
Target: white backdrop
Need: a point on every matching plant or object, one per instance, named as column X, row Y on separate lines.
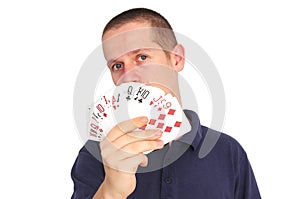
column 255, row 46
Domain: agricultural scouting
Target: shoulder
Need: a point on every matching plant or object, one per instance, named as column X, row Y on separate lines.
column 224, row 145
column 87, row 172
column 88, row 158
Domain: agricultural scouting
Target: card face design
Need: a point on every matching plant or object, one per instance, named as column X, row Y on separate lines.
column 132, row 99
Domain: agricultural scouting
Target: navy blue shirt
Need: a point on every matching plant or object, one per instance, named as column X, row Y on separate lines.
column 176, row 171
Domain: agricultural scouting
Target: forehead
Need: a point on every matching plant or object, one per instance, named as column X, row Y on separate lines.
column 127, row 38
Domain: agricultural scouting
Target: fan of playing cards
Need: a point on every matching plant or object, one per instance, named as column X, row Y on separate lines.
column 131, row 100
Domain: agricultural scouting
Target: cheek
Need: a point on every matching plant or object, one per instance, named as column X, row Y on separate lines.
column 157, row 61
column 165, row 60
column 115, row 77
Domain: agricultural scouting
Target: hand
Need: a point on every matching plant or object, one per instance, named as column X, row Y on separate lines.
column 122, row 153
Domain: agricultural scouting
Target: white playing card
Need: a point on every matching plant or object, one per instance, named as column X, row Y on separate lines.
column 133, row 99
column 176, row 123
column 125, row 94
column 101, row 118
column 168, row 116
column 108, row 122
column 110, row 109
column 164, row 112
column 142, row 96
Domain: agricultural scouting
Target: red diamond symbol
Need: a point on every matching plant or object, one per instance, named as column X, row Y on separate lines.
column 161, row 116
column 160, row 125
column 101, row 130
column 171, row 111
column 104, row 114
column 168, row 129
column 152, row 121
column 177, row 124
column 159, row 109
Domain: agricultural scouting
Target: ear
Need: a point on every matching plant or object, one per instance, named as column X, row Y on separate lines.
column 178, row 57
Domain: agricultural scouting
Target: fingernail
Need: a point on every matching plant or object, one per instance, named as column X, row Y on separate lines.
column 144, row 120
column 158, row 133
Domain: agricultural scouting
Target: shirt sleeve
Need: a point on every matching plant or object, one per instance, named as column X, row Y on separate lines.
column 87, row 172
column 246, row 186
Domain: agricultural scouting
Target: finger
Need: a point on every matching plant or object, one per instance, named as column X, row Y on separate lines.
column 107, row 149
column 144, row 160
column 112, row 156
column 126, row 126
column 112, row 149
column 123, row 161
column 143, row 146
column 136, row 136
column 144, row 134
column 130, row 164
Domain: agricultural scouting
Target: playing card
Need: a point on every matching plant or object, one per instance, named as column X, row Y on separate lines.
column 133, row 99
column 101, row 117
column 123, row 93
column 142, row 95
column 176, row 123
column 168, row 116
column 158, row 99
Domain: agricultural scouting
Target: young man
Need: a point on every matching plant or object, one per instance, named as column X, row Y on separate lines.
column 140, row 46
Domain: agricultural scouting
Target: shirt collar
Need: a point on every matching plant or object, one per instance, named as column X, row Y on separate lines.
column 193, row 137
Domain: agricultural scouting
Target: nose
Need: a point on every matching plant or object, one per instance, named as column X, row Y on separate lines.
column 131, row 73
column 129, row 65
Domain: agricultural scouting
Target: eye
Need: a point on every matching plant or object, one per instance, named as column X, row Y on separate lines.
column 142, row 57
column 117, row 66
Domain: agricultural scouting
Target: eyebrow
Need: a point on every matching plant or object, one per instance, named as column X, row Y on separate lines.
column 131, row 52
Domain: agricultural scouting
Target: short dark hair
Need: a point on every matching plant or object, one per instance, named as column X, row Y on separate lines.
column 163, row 35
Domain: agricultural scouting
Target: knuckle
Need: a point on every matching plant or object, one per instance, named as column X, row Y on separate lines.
column 131, row 148
column 153, row 145
column 134, row 134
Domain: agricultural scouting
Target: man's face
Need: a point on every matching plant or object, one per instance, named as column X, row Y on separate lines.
column 131, row 46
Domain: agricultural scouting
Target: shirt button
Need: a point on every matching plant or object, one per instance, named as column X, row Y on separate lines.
column 168, row 180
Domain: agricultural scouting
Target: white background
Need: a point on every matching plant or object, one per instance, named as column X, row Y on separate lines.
column 255, row 46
